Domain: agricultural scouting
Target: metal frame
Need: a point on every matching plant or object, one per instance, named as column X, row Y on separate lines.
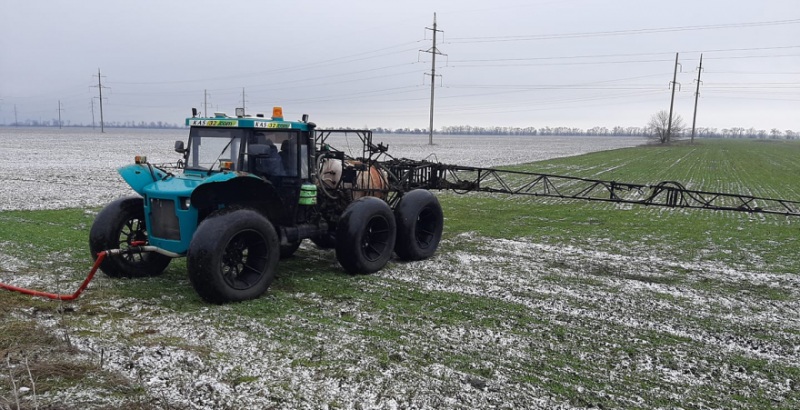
column 404, row 175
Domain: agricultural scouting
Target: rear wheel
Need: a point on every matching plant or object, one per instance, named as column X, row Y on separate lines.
column 365, row 236
column 419, row 225
column 119, row 225
column 233, row 256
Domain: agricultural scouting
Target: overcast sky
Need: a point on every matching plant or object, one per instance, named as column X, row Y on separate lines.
column 579, row 63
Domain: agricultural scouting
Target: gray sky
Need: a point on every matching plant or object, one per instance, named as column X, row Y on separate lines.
column 356, row 63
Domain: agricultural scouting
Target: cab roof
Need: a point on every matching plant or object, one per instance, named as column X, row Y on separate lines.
column 222, row 120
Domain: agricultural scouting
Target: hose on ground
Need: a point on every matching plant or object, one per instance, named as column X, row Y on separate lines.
column 100, row 257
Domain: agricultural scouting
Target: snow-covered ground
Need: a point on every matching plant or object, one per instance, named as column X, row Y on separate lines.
column 504, row 323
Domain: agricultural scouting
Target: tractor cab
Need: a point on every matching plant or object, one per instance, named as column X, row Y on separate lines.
column 272, row 149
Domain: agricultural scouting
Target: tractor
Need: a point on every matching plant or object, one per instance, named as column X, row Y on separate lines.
column 246, row 192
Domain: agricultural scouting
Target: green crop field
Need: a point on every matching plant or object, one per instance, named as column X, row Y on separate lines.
column 528, row 303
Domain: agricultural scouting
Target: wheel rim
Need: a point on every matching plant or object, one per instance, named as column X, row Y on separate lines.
column 376, row 238
column 244, row 259
column 133, row 230
column 425, row 228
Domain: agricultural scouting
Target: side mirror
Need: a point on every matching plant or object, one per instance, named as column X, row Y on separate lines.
column 179, row 147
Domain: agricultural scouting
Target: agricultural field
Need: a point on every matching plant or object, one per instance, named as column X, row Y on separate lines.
column 528, row 303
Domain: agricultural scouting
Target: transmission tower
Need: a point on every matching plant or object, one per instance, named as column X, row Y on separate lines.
column 100, row 87
column 672, row 100
column 244, row 101
column 59, row 114
column 696, row 96
column 433, row 51
column 92, row 102
column 205, row 103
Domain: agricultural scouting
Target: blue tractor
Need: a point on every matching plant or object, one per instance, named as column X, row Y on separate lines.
column 246, row 192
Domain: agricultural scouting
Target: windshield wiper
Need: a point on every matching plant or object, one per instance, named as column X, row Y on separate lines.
column 211, row 168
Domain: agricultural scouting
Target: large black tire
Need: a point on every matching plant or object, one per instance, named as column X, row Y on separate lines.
column 419, row 225
column 233, row 256
column 365, row 236
column 117, row 226
column 289, row 249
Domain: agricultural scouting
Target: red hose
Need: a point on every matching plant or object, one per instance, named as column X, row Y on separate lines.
column 100, row 257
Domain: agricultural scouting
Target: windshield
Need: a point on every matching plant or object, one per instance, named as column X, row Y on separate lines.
column 209, row 146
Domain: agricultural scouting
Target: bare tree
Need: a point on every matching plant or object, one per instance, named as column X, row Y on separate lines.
column 658, row 127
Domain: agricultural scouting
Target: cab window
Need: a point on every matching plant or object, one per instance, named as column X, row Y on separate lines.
column 273, row 153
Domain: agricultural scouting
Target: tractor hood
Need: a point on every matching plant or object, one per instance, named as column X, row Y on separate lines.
column 172, row 201
column 145, row 181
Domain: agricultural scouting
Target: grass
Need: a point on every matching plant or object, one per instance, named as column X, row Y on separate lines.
column 527, row 301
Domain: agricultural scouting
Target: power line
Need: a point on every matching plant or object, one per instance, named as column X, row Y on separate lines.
column 550, row 101
column 328, row 62
column 753, row 98
column 754, row 72
column 258, row 87
column 460, row 40
column 618, row 61
column 622, row 55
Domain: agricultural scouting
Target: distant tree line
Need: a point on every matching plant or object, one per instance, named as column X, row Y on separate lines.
column 681, row 132
column 619, row 131
column 107, row 124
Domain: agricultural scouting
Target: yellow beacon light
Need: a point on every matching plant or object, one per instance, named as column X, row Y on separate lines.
column 277, row 113
column 140, row 159
column 225, row 165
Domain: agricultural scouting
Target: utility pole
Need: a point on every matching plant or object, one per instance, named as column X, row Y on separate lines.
column 672, row 100
column 16, row 123
column 92, row 101
column 59, row 114
column 696, row 96
column 433, row 51
column 100, row 87
column 205, row 103
column 244, row 110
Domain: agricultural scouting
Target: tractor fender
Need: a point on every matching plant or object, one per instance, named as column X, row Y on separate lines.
column 234, row 188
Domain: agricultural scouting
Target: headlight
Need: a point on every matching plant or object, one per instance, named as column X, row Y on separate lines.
column 185, row 203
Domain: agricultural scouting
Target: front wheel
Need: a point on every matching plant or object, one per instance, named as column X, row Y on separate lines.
column 365, row 236
column 233, row 256
column 419, row 225
column 119, row 225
